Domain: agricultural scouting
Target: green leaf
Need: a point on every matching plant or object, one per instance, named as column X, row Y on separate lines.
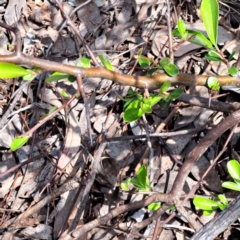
column 231, row 56
column 71, row 78
column 212, row 83
column 213, row 56
column 64, row 94
column 164, row 104
column 205, row 204
column 105, row 62
column 18, row 142
column 231, row 185
column 182, row 29
column 195, row 37
column 176, row 93
column 164, row 87
column 221, row 206
column 9, row 70
column 164, row 62
column 128, row 102
column 223, row 199
column 233, row 71
column 51, row 110
column 144, row 62
column 233, row 167
column 207, row 213
column 146, row 108
column 125, row 184
column 130, row 91
column 171, row 69
column 84, row 62
column 154, row 99
column 154, row 206
column 132, row 114
column 142, row 175
column 209, row 10
column 151, row 71
column 56, row 76
column 214, row 59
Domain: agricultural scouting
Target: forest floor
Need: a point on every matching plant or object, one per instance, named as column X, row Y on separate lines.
column 84, row 172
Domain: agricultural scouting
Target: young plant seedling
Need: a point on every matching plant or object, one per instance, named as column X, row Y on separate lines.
column 136, row 104
column 141, row 183
column 209, row 11
column 209, row 205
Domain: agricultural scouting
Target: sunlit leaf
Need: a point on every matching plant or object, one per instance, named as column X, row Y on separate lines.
column 146, row 108
column 171, row 69
column 164, row 87
column 213, row 56
column 56, row 76
column 205, row 204
column 207, row 213
column 84, row 62
column 233, row 71
column 182, row 29
column 144, row 62
column 18, row 142
column 105, row 62
column 9, row 70
column 209, row 12
column 64, row 94
column 212, row 83
column 132, row 114
column 233, row 167
column 231, row 185
column 164, row 62
column 125, row 184
column 154, row 99
column 154, row 206
column 195, row 37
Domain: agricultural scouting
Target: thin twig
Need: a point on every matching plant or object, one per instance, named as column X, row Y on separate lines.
column 78, row 34
column 82, row 92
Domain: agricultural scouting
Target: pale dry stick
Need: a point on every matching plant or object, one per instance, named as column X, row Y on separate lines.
column 162, row 135
column 78, row 34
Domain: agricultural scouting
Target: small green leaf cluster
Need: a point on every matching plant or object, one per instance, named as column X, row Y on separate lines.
column 233, row 167
column 209, row 11
column 165, row 64
column 141, row 182
column 136, row 104
column 210, row 205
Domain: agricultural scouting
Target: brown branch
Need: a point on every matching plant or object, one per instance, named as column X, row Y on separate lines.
column 138, row 81
column 200, row 149
column 220, row 222
column 78, row 34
